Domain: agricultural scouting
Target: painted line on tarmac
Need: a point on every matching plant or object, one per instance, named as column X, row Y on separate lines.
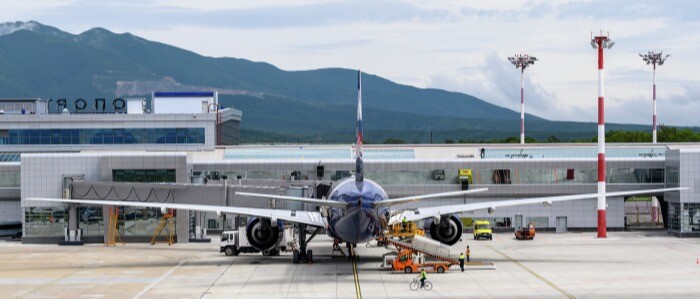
column 159, row 280
column 560, row 290
column 358, row 291
column 218, row 278
column 69, row 274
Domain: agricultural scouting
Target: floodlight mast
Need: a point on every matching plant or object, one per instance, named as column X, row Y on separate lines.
column 654, row 58
column 522, row 61
column 601, row 42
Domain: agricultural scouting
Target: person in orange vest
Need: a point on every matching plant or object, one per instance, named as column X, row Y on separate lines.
column 467, row 252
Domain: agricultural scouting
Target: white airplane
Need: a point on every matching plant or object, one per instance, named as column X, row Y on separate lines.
column 357, row 210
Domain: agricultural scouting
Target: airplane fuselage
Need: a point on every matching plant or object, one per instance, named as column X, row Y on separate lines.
column 360, row 221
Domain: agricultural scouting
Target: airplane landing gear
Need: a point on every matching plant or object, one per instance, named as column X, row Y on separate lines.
column 303, row 255
column 352, row 256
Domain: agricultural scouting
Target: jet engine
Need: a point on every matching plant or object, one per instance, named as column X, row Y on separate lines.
column 447, row 230
column 263, row 234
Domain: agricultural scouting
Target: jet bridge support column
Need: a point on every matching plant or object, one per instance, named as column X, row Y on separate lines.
column 72, row 234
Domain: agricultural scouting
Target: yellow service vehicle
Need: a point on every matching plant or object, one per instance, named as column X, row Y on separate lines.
column 482, row 229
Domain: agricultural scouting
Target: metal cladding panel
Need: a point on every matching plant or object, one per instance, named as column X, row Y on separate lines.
column 178, row 105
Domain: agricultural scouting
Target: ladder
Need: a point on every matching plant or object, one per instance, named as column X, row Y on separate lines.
column 167, row 223
column 113, row 228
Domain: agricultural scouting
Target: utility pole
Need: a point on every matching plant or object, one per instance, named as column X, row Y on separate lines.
column 601, row 42
column 654, row 58
column 430, row 129
column 522, row 61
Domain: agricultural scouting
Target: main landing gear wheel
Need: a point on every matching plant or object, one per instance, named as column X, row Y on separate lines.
column 299, row 257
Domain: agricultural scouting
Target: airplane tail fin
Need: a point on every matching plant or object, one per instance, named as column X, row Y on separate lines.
column 359, row 171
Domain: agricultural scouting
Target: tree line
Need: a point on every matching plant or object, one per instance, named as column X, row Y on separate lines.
column 664, row 134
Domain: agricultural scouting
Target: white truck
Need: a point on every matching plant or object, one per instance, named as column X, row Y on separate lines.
column 236, row 241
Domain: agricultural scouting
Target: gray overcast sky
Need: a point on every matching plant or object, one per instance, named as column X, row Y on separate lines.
column 455, row 45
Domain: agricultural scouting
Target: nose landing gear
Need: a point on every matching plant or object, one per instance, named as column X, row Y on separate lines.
column 352, row 255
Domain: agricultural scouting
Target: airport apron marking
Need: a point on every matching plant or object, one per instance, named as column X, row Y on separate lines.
column 159, row 280
column 358, row 291
column 562, row 291
column 69, row 274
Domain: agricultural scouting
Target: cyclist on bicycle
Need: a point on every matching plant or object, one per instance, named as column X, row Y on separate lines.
column 423, row 276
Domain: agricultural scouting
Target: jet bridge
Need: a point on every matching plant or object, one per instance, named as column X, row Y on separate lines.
column 186, row 222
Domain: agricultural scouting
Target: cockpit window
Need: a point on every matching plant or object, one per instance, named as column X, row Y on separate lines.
column 348, row 191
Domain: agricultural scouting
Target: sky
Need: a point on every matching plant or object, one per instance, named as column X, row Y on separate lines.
column 459, row 46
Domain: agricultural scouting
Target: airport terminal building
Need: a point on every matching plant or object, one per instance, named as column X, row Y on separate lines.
column 193, row 157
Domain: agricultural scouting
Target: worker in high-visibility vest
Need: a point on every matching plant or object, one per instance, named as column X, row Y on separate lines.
column 461, row 261
column 423, row 277
column 404, row 223
column 468, row 252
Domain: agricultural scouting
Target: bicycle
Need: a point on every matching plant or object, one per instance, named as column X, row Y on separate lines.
column 415, row 284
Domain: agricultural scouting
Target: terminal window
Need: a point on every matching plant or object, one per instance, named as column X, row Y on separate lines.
column 144, row 175
column 501, row 176
column 138, row 221
column 104, row 136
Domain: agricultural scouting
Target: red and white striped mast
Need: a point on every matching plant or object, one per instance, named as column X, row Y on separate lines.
column 601, row 42
column 654, row 58
column 522, row 61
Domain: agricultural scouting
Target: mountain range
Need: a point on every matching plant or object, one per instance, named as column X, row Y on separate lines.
column 40, row 61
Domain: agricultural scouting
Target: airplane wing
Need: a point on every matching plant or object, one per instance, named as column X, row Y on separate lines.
column 320, row 202
column 413, row 198
column 428, row 212
column 389, row 202
column 305, row 217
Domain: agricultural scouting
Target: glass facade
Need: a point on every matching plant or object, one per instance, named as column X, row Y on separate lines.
column 103, row 136
column 414, row 175
column 672, row 176
column 52, row 221
column 45, row 221
column 316, row 153
column 690, row 218
column 9, row 178
column 91, row 220
column 140, row 221
column 10, row 156
column 135, row 221
column 564, row 152
column 144, row 175
column 17, row 107
column 539, row 222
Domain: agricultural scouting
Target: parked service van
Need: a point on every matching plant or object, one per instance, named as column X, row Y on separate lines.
column 482, row 229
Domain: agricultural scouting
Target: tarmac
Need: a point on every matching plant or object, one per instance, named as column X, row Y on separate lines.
column 569, row 265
